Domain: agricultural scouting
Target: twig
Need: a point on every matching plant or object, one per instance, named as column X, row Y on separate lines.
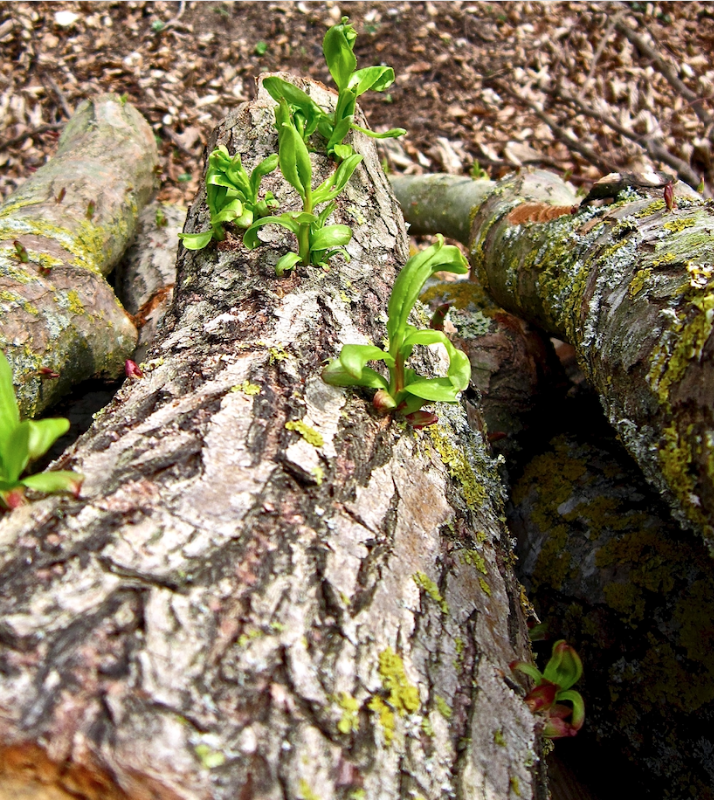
column 30, row 132
column 600, row 50
column 668, row 71
column 604, row 165
column 66, row 108
column 174, row 20
column 653, row 148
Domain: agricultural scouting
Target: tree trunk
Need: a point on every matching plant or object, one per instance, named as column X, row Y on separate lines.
column 266, row 590
column 72, row 220
column 628, row 284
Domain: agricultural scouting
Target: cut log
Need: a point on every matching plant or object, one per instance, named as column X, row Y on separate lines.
column 61, row 232
column 266, row 590
column 629, row 285
column 609, row 570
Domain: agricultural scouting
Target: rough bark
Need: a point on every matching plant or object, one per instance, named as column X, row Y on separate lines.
column 607, row 569
column 75, row 217
column 514, row 369
column 628, row 284
column 236, row 608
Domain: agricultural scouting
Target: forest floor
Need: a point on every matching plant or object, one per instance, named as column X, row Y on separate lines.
column 466, row 73
column 481, row 87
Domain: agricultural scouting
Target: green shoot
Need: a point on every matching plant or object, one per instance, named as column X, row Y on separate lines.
column 338, row 46
column 232, row 196
column 22, row 442
column 317, row 242
column 552, row 687
column 406, row 391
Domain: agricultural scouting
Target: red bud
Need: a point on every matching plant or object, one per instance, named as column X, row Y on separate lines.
column 669, row 197
column 14, row 498
column 46, row 372
column 421, row 419
column 131, row 369
column 383, row 402
column 437, row 320
column 542, row 697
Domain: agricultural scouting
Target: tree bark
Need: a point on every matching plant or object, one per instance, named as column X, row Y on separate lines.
column 608, row 570
column 265, row 590
column 628, row 284
column 74, row 218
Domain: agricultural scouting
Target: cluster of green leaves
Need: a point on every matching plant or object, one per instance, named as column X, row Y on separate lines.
column 22, row 442
column 232, row 196
column 317, row 242
column 553, row 688
column 406, row 391
column 338, row 47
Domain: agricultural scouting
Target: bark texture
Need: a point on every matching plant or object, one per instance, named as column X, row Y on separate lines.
column 609, row 571
column 629, row 285
column 267, row 591
column 75, row 217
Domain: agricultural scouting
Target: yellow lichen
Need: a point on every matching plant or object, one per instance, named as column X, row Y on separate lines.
column 310, row 435
column 76, row 306
column 349, row 721
column 386, row 718
column 639, row 281
column 677, row 225
column 425, row 583
column 403, row 696
column 443, row 707
column 458, row 465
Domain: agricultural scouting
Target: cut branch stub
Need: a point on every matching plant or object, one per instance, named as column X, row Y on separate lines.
column 60, row 233
column 630, row 285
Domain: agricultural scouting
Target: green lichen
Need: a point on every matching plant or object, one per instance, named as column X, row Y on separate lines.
column 246, row 388
column 318, row 473
column 667, row 258
column 425, row 583
column 209, row 758
column 443, row 707
column 515, row 785
column 454, row 457
column 249, row 636
column 474, row 559
column 277, row 354
column 652, row 208
column 677, row 225
column 310, row 435
column 482, row 583
column 306, row 793
column 499, row 738
column 349, row 721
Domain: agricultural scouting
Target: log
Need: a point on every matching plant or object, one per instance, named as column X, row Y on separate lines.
column 607, row 568
column 240, row 607
column 72, row 220
column 627, row 284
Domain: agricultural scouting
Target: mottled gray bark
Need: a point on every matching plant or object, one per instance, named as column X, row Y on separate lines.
column 74, row 218
column 266, row 590
column 628, row 285
column 634, row 594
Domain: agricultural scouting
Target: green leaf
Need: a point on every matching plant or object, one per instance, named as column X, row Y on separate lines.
column 439, row 390
column 330, row 236
column 565, row 667
column 411, row 279
column 195, row 241
column 342, row 151
column 329, row 189
column 51, row 482
column 293, row 157
column 250, row 237
column 265, row 167
column 43, row 434
column 354, row 357
column 14, row 452
column 375, row 78
column 288, row 261
column 279, row 90
column 229, row 212
column 528, row 669
column 390, row 134
column 336, row 375
column 337, row 47
column 9, row 413
column 578, row 707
